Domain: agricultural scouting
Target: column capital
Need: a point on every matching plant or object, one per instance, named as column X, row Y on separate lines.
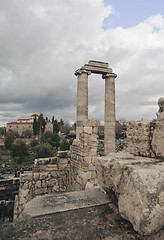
column 80, row 71
column 108, row 75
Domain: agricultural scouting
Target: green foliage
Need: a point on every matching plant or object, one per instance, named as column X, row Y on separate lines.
column 19, row 149
column 15, row 134
column 61, row 122
column 55, row 126
column 43, row 150
column 2, row 130
column 53, row 119
column 27, row 133
column 35, row 127
column 52, row 138
column 34, row 143
column 41, row 123
column 65, row 145
column 9, row 140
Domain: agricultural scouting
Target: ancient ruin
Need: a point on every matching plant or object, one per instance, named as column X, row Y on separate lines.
column 133, row 181
column 82, row 100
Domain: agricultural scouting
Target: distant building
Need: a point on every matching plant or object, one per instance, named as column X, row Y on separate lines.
column 21, row 125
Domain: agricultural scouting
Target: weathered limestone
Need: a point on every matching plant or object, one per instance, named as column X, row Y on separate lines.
column 49, row 175
column 139, row 136
column 158, row 139
column 83, row 156
column 146, row 138
column 160, row 113
column 136, row 184
column 63, row 202
column 109, row 120
column 141, row 198
column 82, row 100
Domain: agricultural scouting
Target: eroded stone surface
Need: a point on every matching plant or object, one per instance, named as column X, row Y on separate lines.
column 137, row 184
column 52, row 203
column 141, row 199
column 158, row 139
column 139, row 136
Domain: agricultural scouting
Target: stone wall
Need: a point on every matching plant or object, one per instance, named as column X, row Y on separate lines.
column 158, row 139
column 69, row 171
column 83, row 157
column 146, row 138
column 19, row 127
column 49, row 175
column 139, row 136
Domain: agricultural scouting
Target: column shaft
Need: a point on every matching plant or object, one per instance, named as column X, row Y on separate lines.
column 109, row 121
column 82, row 100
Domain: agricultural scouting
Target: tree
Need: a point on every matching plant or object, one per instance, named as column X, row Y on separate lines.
column 61, row 122
column 43, row 150
column 34, row 143
column 53, row 119
column 52, row 138
column 2, row 130
column 35, row 126
column 19, row 149
column 55, row 126
column 27, row 133
column 64, row 145
column 41, row 123
column 9, row 140
column 118, row 129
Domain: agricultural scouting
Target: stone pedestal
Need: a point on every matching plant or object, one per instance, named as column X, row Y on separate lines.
column 109, row 119
column 82, row 99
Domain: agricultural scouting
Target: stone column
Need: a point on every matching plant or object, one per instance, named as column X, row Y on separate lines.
column 82, row 99
column 109, row 119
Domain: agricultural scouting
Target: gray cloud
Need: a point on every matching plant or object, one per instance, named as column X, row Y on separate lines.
column 43, row 42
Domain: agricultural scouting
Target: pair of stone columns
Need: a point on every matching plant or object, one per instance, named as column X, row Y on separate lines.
column 82, row 106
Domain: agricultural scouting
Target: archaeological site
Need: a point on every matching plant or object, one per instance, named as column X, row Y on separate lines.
column 81, row 195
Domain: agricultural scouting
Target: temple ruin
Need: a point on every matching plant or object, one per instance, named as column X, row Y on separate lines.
column 133, row 181
column 97, row 67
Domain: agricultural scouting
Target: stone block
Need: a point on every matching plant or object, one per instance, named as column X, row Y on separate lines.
column 24, row 193
column 88, row 159
column 51, row 167
column 62, row 154
column 43, row 175
column 93, row 138
column 42, row 167
column 95, row 130
column 38, row 184
column 53, row 160
column 38, row 191
column 53, row 174
column 84, row 175
column 22, row 201
column 93, row 174
column 141, row 198
column 25, row 186
column 88, row 130
column 137, row 183
column 91, row 167
column 158, row 139
column 26, row 177
column 93, row 152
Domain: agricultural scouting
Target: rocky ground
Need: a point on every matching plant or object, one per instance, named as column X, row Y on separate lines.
column 102, row 222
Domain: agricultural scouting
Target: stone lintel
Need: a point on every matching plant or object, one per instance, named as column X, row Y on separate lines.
column 96, row 69
column 107, row 75
column 98, row 63
column 80, row 71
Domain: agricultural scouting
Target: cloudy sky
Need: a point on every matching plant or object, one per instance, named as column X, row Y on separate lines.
column 42, row 43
